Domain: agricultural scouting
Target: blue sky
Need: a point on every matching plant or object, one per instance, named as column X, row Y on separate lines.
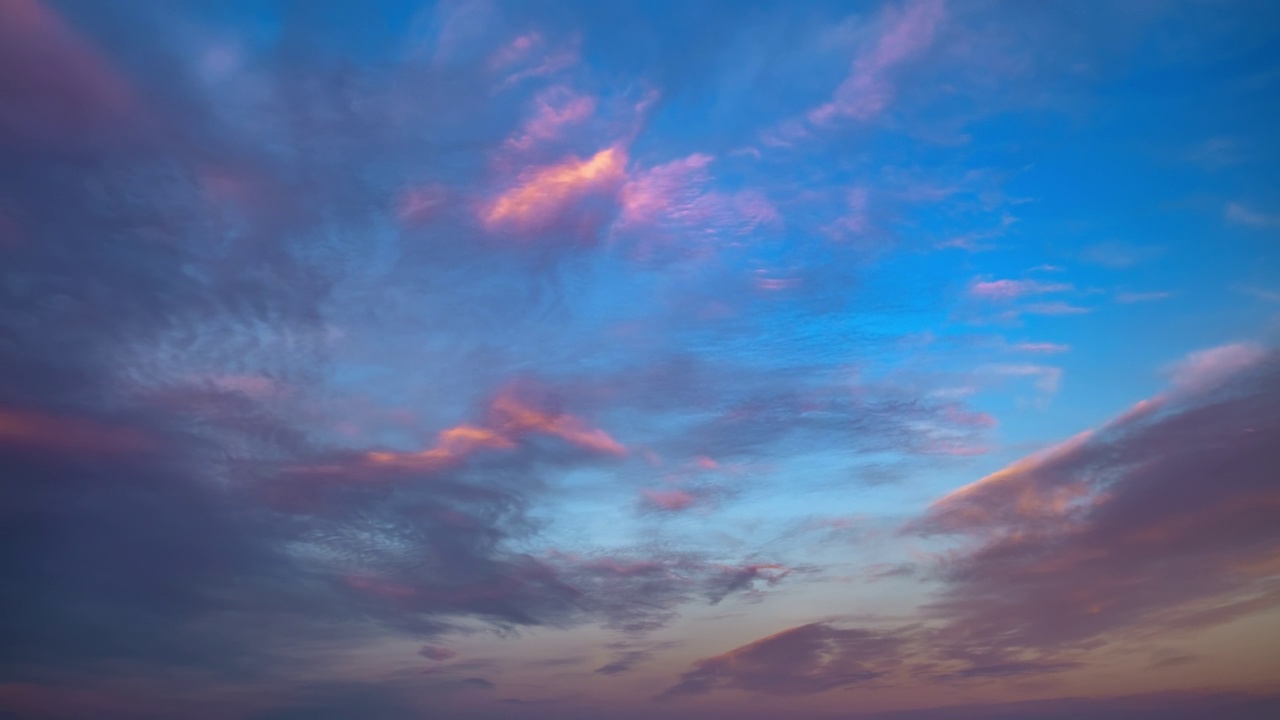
column 489, row 359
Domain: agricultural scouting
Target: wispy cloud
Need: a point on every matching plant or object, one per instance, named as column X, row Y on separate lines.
column 1242, row 214
column 555, row 109
column 1041, row 347
column 1128, row 298
column 1007, row 290
column 867, row 90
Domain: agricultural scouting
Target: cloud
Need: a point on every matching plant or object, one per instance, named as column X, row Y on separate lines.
column 1129, row 298
column 799, row 661
column 1054, row 308
column 530, row 56
column 37, row 431
column 670, row 500
column 421, row 203
column 1261, row 294
column 640, row 592
column 867, row 90
column 1204, row 369
column 673, row 206
column 1041, row 347
column 1082, row 545
column 1118, row 255
column 510, row 420
column 543, row 194
column 555, row 109
column 1097, row 534
column 292, row 369
column 1243, row 215
column 60, row 90
column 630, row 655
column 1047, row 378
column 437, row 653
column 1007, row 290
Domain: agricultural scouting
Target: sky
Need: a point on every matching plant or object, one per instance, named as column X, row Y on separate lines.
column 561, row 359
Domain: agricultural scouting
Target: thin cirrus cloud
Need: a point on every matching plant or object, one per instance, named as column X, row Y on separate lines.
column 1242, row 214
column 867, row 90
column 1007, row 290
column 1046, row 348
column 556, row 109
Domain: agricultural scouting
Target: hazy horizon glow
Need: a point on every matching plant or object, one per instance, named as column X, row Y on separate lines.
column 558, row 359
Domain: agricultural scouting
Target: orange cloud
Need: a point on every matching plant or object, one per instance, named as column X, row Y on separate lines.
column 516, row 418
column 510, row 420
column 452, row 446
column 544, row 193
column 1012, row 492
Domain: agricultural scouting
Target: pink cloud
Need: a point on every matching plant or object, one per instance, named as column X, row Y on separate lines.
column 705, row 463
column 1055, row 308
column 254, row 386
column 671, row 500
column 1046, row 348
column 60, row 88
column 519, row 49
column 421, row 203
column 867, row 90
column 555, row 109
column 1207, row 368
column 67, row 435
column 674, row 198
column 1007, row 290
column 530, row 56
column 510, row 420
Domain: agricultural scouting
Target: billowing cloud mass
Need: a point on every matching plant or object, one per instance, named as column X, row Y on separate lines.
column 1086, row 544
column 502, row 360
column 1099, row 533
